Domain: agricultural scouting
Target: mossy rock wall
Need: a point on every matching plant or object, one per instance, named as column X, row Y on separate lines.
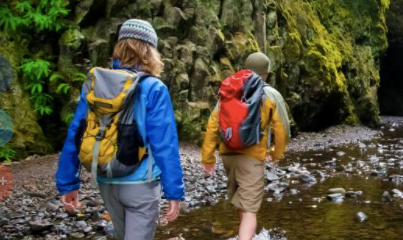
column 325, row 54
column 390, row 92
column 28, row 137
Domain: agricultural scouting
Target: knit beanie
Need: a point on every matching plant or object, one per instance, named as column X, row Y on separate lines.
column 258, row 62
column 139, row 29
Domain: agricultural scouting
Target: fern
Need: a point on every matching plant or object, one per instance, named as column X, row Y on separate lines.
column 64, row 87
column 68, row 118
column 7, row 153
column 46, row 15
column 56, row 76
column 36, row 68
column 79, row 77
column 42, row 103
column 8, row 20
column 24, row 6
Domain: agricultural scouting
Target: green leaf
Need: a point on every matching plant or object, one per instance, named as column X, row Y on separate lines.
column 79, row 77
column 23, row 6
column 63, row 87
column 7, row 153
column 56, row 76
column 68, row 118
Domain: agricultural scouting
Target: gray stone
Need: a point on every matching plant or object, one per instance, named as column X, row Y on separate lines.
column 386, row 197
column 305, row 178
column 335, row 197
column 362, row 217
column 40, row 225
column 50, row 207
column 397, row 193
column 337, row 190
column 271, row 176
column 77, row 235
column 81, row 224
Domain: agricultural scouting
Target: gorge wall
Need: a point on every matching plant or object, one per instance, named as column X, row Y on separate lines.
column 325, row 58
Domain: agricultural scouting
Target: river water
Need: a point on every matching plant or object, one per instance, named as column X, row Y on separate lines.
column 302, row 211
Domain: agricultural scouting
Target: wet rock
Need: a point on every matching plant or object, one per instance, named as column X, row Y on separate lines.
column 36, row 194
column 109, row 230
column 335, row 197
column 396, row 178
column 292, row 169
column 81, row 224
column 305, row 178
column 362, row 217
column 341, row 168
column 397, row 193
column 386, row 197
column 294, row 191
column 340, row 154
column 211, row 189
column 271, row 176
column 87, row 229
column 3, row 221
column 374, row 159
column 377, row 173
column 337, row 190
column 321, row 174
column 94, row 203
column 63, row 229
column 77, row 235
column 40, row 225
column 50, row 207
column 353, row 194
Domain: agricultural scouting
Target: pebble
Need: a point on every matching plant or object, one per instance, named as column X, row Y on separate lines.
column 362, row 217
column 40, row 225
column 271, row 176
column 77, row 235
column 335, row 197
column 386, row 197
column 397, row 193
column 337, row 190
column 340, row 154
column 50, row 207
column 305, row 178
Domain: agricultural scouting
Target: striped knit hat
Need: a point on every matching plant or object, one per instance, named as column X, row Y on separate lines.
column 139, row 29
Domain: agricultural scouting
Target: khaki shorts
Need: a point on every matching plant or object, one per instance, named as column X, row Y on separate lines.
column 245, row 181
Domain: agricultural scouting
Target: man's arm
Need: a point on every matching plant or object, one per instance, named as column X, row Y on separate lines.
column 211, row 138
column 280, row 122
column 163, row 139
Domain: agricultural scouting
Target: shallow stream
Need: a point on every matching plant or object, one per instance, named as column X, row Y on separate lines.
column 295, row 210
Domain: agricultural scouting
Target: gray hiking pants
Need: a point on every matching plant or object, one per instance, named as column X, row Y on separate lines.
column 134, row 209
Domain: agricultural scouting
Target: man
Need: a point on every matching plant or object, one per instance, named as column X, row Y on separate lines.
column 245, row 167
column 137, row 149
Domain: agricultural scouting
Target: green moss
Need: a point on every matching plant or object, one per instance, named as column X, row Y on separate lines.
column 28, row 137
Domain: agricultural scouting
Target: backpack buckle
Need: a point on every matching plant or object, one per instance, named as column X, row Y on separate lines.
column 100, row 135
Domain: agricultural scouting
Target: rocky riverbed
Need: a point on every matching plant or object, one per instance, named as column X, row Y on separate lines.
column 34, row 209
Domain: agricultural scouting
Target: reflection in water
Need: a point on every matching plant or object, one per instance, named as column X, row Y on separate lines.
column 303, row 212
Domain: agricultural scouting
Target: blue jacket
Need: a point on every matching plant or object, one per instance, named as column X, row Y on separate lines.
column 156, row 122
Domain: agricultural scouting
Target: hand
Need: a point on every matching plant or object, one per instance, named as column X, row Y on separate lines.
column 209, row 169
column 70, row 201
column 173, row 211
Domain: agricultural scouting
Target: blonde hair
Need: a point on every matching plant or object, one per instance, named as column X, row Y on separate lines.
column 133, row 53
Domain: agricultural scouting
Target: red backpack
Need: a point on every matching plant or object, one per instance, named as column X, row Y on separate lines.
column 239, row 116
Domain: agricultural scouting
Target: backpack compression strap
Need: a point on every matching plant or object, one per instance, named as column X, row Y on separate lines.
column 104, row 121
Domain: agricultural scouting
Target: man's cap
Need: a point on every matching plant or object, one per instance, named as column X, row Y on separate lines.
column 139, row 29
column 258, row 62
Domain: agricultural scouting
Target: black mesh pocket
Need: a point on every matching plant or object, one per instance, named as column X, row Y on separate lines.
column 129, row 142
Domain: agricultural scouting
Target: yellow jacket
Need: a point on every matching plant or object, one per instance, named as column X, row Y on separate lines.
column 274, row 105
